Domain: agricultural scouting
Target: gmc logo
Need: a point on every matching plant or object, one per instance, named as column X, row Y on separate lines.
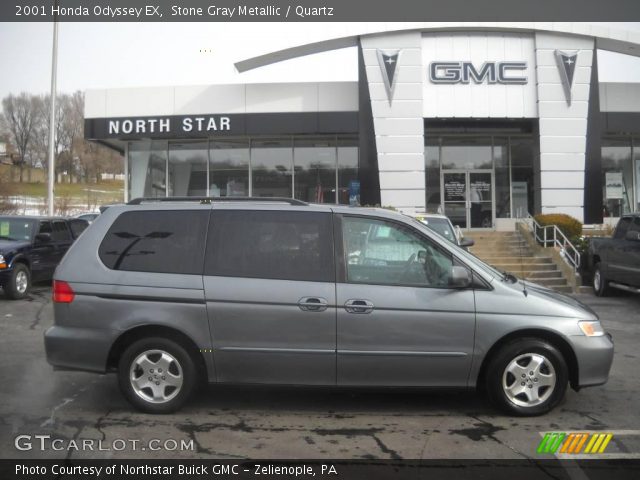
column 465, row 72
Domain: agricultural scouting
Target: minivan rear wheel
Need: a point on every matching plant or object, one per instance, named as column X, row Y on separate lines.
column 156, row 375
column 527, row 377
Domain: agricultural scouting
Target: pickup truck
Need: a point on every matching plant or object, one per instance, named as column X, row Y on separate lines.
column 31, row 248
column 615, row 262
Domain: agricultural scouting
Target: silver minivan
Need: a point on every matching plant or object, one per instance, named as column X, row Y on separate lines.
column 173, row 293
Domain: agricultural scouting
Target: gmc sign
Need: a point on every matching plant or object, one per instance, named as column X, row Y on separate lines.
column 490, row 72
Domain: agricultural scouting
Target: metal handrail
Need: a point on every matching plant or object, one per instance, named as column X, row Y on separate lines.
column 568, row 251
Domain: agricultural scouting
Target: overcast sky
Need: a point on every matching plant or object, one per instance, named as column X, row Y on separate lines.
column 110, row 55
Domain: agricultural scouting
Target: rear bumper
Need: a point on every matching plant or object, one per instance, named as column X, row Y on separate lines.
column 78, row 348
column 595, row 356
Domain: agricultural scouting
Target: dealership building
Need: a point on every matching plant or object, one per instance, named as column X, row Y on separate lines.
column 485, row 123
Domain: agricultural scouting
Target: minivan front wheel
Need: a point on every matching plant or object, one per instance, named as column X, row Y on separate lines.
column 156, row 375
column 527, row 377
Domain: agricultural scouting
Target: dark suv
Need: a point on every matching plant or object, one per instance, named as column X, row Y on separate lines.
column 31, row 248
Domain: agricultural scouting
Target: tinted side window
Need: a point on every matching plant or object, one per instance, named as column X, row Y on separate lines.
column 77, row 226
column 276, row 245
column 636, row 225
column 156, row 241
column 61, row 232
column 45, row 227
column 621, row 229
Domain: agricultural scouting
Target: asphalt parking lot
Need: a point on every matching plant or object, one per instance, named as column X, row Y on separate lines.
column 230, row 422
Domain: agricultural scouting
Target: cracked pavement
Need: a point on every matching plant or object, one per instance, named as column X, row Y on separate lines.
column 233, row 422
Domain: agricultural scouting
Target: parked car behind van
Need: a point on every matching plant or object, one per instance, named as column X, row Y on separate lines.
column 172, row 294
column 30, row 249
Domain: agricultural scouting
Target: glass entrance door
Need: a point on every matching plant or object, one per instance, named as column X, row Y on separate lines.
column 468, row 198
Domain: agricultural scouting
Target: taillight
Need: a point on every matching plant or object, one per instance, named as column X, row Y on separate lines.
column 62, row 292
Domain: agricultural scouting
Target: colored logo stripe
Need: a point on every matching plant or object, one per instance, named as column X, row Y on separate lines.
column 598, row 443
column 572, row 443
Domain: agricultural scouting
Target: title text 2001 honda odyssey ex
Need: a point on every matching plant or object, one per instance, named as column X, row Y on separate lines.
column 172, row 293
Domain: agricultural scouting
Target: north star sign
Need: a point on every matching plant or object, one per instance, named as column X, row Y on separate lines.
column 504, row 73
column 164, row 125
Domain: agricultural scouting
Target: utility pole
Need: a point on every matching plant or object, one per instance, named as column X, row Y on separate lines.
column 52, row 118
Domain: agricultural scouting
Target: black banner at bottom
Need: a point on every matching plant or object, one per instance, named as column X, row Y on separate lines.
column 601, row 469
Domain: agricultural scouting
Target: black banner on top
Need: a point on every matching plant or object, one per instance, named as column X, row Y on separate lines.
column 317, row 10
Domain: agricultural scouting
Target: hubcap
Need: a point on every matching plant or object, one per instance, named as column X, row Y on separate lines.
column 529, row 380
column 156, row 376
column 596, row 280
column 21, row 282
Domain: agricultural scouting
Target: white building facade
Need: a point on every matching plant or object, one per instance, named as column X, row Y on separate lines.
column 485, row 124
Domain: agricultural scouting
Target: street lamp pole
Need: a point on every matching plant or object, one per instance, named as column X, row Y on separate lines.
column 52, row 118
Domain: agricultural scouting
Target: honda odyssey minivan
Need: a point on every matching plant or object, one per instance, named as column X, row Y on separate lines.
column 171, row 293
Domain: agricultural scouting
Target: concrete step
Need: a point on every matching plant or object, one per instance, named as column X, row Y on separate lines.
column 516, row 259
column 502, row 253
column 548, row 282
column 563, row 289
column 534, row 267
column 546, row 274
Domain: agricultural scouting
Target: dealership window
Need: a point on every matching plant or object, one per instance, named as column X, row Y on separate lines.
column 522, row 176
column 147, row 168
column 271, row 167
column 617, row 177
column 432, row 172
column 502, row 177
column 347, row 169
column 510, row 158
column 326, row 167
column 188, row 169
column 229, row 168
column 314, row 161
column 466, row 153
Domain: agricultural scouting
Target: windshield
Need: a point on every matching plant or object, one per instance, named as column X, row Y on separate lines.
column 441, row 226
column 16, row 228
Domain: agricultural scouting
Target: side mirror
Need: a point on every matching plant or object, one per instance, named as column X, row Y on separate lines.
column 460, row 277
column 467, row 242
column 43, row 238
column 633, row 236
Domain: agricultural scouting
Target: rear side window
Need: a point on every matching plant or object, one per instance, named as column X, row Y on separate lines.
column 622, row 228
column 156, row 241
column 275, row 245
column 45, row 227
column 77, row 226
column 61, row 232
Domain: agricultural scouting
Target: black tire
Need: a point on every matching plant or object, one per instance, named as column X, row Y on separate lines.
column 15, row 288
column 600, row 283
column 182, row 365
column 497, row 379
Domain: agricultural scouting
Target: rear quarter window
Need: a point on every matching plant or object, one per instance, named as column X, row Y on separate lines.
column 158, row 241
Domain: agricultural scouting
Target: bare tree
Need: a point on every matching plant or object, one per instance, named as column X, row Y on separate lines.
column 20, row 117
column 72, row 126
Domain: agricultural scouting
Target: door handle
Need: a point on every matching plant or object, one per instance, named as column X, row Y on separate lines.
column 313, row 304
column 358, row 306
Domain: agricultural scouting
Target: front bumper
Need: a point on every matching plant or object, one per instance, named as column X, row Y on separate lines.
column 78, row 348
column 595, row 356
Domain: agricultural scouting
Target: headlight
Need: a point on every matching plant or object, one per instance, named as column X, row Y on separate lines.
column 3, row 264
column 591, row 328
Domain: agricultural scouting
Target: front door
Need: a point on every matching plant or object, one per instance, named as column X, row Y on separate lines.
column 270, row 290
column 468, row 197
column 399, row 322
